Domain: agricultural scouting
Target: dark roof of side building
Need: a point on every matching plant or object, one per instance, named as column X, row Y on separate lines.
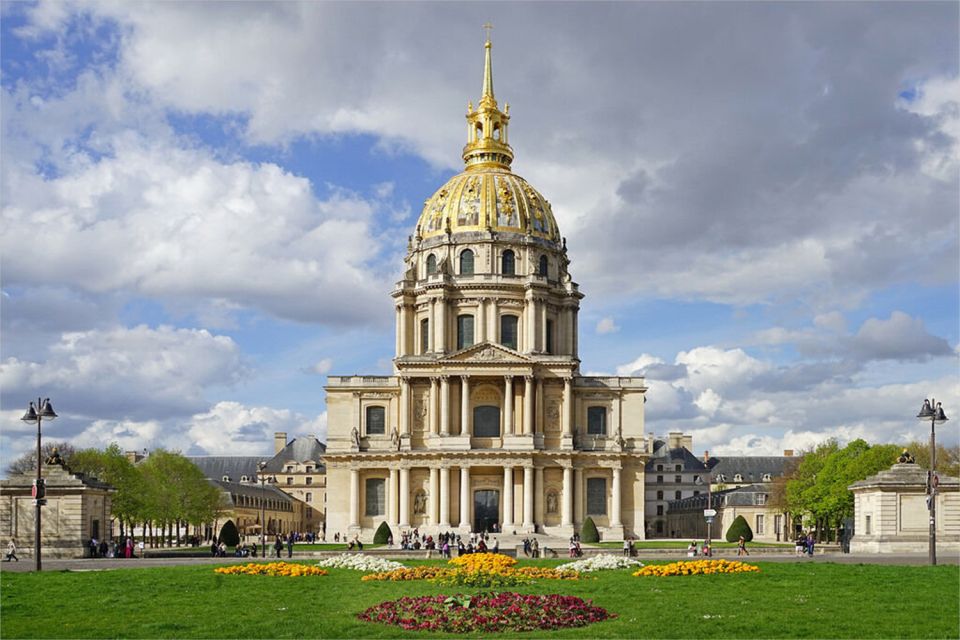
column 751, row 468
column 737, row 497
column 303, row 449
column 679, row 455
column 233, row 467
column 253, row 490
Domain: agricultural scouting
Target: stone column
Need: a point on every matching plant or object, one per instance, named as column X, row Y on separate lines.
column 404, row 405
column 544, row 347
column 567, row 416
column 566, row 511
column 404, row 330
column 494, row 334
column 615, row 498
column 404, row 497
column 541, row 408
column 465, row 497
column 445, row 405
column 538, row 496
column 530, row 313
column 528, row 395
column 508, row 405
column 464, row 405
column 432, row 329
column 576, row 331
column 444, row 497
column 398, row 323
column 440, row 339
column 507, row 498
column 432, row 411
column 568, row 330
column 432, row 499
column 578, row 496
column 481, row 320
column 354, row 497
column 393, row 490
column 528, row 490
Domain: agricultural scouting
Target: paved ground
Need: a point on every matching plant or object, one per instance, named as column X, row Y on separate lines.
column 26, row 564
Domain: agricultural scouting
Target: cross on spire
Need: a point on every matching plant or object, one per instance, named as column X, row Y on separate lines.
column 487, row 27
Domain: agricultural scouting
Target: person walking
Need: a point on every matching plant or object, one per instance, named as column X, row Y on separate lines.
column 810, row 543
column 742, row 547
column 11, row 552
column 290, row 546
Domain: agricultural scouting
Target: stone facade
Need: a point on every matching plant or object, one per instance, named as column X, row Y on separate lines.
column 486, row 422
column 685, row 518
column 891, row 514
column 77, row 509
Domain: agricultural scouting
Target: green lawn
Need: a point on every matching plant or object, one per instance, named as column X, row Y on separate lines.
column 784, row 600
column 683, row 544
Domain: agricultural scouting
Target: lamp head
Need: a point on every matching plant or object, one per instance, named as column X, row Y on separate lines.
column 926, row 412
column 46, row 410
column 30, row 415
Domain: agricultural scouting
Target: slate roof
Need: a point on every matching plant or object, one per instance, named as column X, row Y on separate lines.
column 736, row 497
column 253, row 490
column 751, row 468
column 303, row 449
column 680, row 455
column 235, row 467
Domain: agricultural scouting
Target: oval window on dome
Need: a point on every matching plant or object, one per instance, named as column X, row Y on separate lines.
column 431, row 264
column 466, row 263
column 508, row 263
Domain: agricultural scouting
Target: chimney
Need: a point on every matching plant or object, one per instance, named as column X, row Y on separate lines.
column 687, row 442
column 788, row 453
column 279, row 441
column 675, row 439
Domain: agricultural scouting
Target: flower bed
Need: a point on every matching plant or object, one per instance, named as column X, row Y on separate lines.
column 488, row 613
column 406, row 573
column 483, row 562
column 696, row 567
column 288, row 569
column 359, row 562
column 476, row 570
column 600, row 563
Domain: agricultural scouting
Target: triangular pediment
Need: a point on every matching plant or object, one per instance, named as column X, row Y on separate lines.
column 488, row 352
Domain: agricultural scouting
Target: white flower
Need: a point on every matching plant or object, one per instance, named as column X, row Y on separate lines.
column 599, row 563
column 359, row 562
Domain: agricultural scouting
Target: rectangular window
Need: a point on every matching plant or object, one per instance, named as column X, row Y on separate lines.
column 596, row 496
column 424, row 336
column 659, row 479
column 289, row 480
column 464, row 332
column 659, row 511
column 549, row 346
column 866, row 525
column 597, row 421
column 659, row 495
column 677, row 495
column 696, row 493
column 508, row 331
column 678, row 479
column 678, row 467
column 376, row 497
column 759, row 528
column 376, row 420
column 659, row 467
column 309, row 512
column 761, row 499
column 309, row 469
column 309, row 480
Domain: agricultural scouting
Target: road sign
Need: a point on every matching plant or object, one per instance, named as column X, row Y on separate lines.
column 709, row 513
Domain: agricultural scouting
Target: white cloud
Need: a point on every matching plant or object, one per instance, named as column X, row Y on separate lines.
column 321, row 367
column 607, row 325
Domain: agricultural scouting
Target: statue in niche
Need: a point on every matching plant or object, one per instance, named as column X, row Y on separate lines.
column 355, row 437
column 552, row 501
column 420, row 503
column 395, row 438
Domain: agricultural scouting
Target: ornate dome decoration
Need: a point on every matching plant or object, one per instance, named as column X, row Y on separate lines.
column 487, row 196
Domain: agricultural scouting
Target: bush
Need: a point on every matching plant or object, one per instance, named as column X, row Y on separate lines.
column 588, row 532
column 229, row 534
column 739, row 528
column 382, row 534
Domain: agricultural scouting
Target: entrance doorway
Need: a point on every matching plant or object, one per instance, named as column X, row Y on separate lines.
column 486, row 509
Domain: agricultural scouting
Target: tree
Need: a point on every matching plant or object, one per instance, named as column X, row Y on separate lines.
column 114, row 468
column 27, row 463
column 177, row 492
column 948, row 458
column 382, row 534
column 588, row 532
column 739, row 527
column 229, row 534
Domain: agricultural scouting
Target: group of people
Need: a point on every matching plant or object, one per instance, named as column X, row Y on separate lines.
column 805, row 544
column 123, row 548
column 703, row 549
column 576, row 551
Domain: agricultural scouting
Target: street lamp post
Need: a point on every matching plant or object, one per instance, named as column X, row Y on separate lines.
column 39, row 490
column 932, row 411
column 709, row 513
column 263, row 518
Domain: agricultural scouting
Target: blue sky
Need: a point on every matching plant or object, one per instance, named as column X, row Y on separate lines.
column 205, row 205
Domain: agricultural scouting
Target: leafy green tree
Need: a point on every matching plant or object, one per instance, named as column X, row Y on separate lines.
column 739, row 527
column 177, row 492
column 229, row 534
column 382, row 534
column 948, row 458
column 114, row 468
column 588, row 531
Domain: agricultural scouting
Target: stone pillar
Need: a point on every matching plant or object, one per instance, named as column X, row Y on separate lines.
column 567, row 416
column 432, row 499
column 578, row 496
column 615, row 498
column 464, row 405
column 541, row 409
column 432, row 411
column 481, row 320
column 431, row 333
column 404, row 330
column 399, row 331
column 404, row 497
column 445, row 405
column 393, row 490
column 494, row 333
column 508, row 405
column 568, row 330
column 465, row 497
column 544, row 347
column 444, row 497
column 440, row 339
column 576, row 331
column 538, row 497
column 529, row 391
column 404, row 405
column 566, row 511
column 507, row 498
column 530, row 325
column 528, row 490
column 354, row 497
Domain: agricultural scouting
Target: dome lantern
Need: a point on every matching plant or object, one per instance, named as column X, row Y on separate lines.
column 487, row 142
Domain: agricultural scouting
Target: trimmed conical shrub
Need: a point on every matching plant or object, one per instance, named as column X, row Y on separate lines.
column 229, row 534
column 739, row 528
column 382, row 534
column 588, row 532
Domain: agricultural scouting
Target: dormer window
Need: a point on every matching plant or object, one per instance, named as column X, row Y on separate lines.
column 767, row 477
column 244, row 479
column 738, row 478
column 721, row 478
column 226, row 478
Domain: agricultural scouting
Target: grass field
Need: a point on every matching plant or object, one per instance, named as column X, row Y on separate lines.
column 784, row 600
column 683, row 544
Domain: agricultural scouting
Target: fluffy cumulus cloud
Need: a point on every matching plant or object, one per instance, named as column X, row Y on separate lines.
column 607, row 325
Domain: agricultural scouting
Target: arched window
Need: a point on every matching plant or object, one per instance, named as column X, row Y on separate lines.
column 486, row 421
column 376, row 421
column 464, row 331
column 544, row 268
column 508, row 263
column 431, row 264
column 466, row 263
column 508, row 331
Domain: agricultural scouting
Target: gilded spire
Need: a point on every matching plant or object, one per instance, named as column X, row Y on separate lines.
column 487, row 144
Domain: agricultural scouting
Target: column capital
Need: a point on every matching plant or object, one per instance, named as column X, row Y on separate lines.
column 444, row 377
column 529, row 377
column 508, row 378
column 434, row 379
column 465, row 377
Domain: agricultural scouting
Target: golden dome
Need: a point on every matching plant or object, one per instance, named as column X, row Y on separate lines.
column 487, row 196
column 487, row 200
